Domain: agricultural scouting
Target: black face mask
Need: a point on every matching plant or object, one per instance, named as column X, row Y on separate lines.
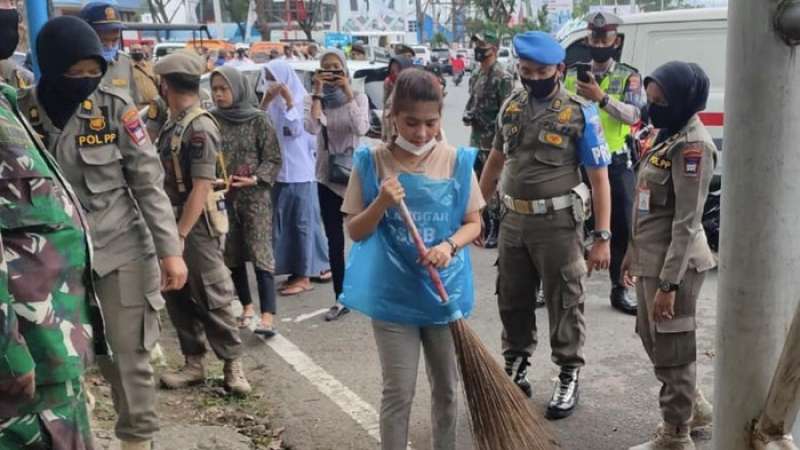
column 540, row 89
column 9, row 32
column 137, row 56
column 602, row 54
column 76, row 90
column 664, row 117
column 481, row 54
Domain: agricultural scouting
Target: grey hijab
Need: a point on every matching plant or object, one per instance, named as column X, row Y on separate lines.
column 244, row 104
column 332, row 96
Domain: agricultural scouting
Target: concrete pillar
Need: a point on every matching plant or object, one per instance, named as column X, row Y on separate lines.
column 37, row 13
column 760, row 242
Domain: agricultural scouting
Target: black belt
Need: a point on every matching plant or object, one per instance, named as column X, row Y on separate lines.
column 621, row 157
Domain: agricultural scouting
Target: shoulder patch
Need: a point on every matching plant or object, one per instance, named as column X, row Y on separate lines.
column 579, row 100
column 692, row 157
column 133, row 126
column 197, row 142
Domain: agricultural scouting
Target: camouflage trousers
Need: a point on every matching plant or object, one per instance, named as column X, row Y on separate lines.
column 62, row 427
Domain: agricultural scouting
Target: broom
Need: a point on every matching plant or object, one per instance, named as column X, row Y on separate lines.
column 500, row 415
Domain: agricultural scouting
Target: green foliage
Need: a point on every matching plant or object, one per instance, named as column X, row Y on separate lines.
column 439, row 40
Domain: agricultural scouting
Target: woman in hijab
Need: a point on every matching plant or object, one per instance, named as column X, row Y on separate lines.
column 338, row 118
column 299, row 244
column 396, row 65
column 253, row 159
column 669, row 256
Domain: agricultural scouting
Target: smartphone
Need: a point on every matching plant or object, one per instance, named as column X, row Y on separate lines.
column 583, row 72
column 331, row 73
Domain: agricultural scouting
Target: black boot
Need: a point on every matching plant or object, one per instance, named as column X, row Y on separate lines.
column 565, row 396
column 623, row 301
column 517, row 369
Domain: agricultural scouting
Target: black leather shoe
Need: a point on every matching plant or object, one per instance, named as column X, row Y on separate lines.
column 565, row 396
column 517, row 369
column 335, row 312
column 623, row 301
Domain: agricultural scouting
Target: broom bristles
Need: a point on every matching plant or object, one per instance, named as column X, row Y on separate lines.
column 501, row 417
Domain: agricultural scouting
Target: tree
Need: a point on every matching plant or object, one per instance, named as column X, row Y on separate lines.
column 496, row 12
column 232, row 11
column 439, row 40
column 308, row 14
column 158, row 10
column 264, row 17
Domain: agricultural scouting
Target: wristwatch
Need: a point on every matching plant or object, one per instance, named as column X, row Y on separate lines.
column 666, row 286
column 603, row 101
column 453, row 246
column 602, row 235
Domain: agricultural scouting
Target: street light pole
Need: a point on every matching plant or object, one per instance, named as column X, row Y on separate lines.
column 758, row 286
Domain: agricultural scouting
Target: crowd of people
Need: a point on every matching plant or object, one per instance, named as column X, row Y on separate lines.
column 112, row 216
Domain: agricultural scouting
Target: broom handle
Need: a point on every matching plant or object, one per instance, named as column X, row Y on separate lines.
column 421, row 250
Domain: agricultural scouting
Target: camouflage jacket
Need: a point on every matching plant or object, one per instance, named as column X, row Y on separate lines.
column 487, row 91
column 45, row 294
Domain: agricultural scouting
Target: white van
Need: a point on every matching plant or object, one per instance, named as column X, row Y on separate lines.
column 652, row 39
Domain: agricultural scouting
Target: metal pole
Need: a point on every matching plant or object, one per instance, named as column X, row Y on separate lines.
column 758, row 286
column 420, row 21
column 37, row 13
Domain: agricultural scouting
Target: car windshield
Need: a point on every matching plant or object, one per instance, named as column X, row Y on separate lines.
column 419, row 50
column 441, row 53
column 503, row 53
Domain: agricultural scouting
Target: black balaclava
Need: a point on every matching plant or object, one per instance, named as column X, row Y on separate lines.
column 62, row 42
column 9, row 32
column 685, row 86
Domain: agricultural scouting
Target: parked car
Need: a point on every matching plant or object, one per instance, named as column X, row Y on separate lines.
column 443, row 56
column 163, row 49
column 422, row 55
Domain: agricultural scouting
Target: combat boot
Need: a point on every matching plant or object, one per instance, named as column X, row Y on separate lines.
column 565, row 394
column 517, row 369
column 192, row 373
column 136, row 445
column 702, row 415
column 669, row 437
column 235, row 381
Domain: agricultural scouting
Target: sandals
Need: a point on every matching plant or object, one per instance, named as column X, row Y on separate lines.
column 245, row 320
column 324, row 277
column 336, row 311
column 264, row 331
column 294, row 289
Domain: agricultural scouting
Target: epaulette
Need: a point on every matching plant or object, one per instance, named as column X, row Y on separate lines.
column 119, row 93
column 572, row 67
column 622, row 67
column 579, row 100
column 520, row 95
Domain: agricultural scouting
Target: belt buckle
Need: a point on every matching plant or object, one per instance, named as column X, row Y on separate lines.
column 539, row 206
column 522, row 207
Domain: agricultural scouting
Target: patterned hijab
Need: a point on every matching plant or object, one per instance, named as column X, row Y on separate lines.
column 243, row 109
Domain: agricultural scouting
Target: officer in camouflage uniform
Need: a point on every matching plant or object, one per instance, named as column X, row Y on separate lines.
column 544, row 136
column 488, row 88
column 189, row 147
column 608, row 86
column 105, row 20
column 50, row 325
column 115, row 170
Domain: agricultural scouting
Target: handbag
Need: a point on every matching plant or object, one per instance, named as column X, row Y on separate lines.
column 340, row 165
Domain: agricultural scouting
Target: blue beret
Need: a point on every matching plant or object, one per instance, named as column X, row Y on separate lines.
column 102, row 16
column 539, row 47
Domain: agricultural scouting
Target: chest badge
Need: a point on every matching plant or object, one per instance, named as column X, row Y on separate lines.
column 660, row 162
column 556, row 105
column 513, row 108
column 97, row 123
column 119, row 82
column 554, row 139
column 87, row 105
column 565, row 116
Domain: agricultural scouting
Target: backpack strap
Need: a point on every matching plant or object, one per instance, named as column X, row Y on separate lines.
column 175, row 144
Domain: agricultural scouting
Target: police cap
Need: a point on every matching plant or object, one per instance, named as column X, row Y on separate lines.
column 539, row 47
column 488, row 37
column 180, row 62
column 102, row 16
column 602, row 21
column 402, row 48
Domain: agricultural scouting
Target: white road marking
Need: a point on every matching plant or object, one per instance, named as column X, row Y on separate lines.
column 310, row 315
column 359, row 410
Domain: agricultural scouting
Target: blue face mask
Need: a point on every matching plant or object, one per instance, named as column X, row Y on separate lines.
column 110, row 54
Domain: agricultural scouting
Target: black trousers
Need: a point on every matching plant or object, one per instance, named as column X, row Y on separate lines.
column 491, row 214
column 330, row 205
column 623, row 183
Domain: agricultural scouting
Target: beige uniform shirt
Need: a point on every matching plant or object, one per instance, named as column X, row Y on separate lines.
column 113, row 167
column 120, row 76
column 145, row 81
column 672, row 185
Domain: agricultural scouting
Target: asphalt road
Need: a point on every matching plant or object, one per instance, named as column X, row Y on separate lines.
column 325, row 380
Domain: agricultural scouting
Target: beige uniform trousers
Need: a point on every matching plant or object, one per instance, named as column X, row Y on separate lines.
column 547, row 249
column 203, row 307
column 131, row 300
column 671, row 345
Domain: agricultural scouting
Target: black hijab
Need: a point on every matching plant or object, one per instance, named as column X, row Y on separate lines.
column 685, row 87
column 62, row 42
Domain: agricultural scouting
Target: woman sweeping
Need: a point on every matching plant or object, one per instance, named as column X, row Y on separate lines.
column 253, row 158
column 669, row 255
column 385, row 278
column 301, row 249
column 338, row 117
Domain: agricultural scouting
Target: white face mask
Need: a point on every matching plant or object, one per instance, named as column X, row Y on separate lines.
column 414, row 149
